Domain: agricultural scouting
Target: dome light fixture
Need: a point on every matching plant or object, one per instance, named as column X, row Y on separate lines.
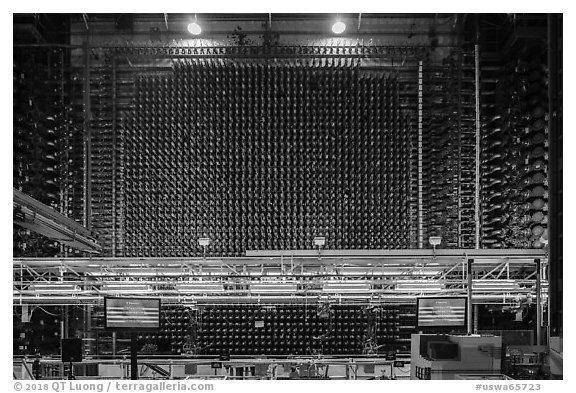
column 338, row 27
column 194, row 28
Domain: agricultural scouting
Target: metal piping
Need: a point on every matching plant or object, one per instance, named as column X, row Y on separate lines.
column 232, row 299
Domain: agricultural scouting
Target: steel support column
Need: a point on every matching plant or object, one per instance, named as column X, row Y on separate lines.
column 538, row 303
column 555, row 184
column 476, row 312
column 478, row 140
column 65, row 322
column 87, row 140
column 459, row 65
column 420, row 177
column 134, row 356
column 113, row 251
column 469, row 306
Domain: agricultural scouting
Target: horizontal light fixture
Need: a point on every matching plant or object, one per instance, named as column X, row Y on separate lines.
column 346, row 287
column 379, row 271
column 495, row 285
column 55, row 288
column 126, row 288
column 136, row 273
column 200, row 287
column 419, row 285
column 274, row 287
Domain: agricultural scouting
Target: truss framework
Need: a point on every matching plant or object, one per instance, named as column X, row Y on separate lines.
column 503, row 276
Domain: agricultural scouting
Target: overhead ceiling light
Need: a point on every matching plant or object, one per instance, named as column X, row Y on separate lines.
column 346, row 287
column 200, row 287
column 194, row 28
column 495, row 285
column 55, row 288
column 126, row 288
column 338, row 27
column 419, row 286
column 274, row 287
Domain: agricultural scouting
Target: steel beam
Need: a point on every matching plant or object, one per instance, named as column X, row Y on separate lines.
column 403, row 253
column 43, row 219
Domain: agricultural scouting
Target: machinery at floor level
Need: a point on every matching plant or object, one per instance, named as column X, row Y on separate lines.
column 232, row 368
column 435, row 356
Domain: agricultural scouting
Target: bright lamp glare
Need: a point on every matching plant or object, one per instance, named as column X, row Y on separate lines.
column 194, row 28
column 339, row 27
